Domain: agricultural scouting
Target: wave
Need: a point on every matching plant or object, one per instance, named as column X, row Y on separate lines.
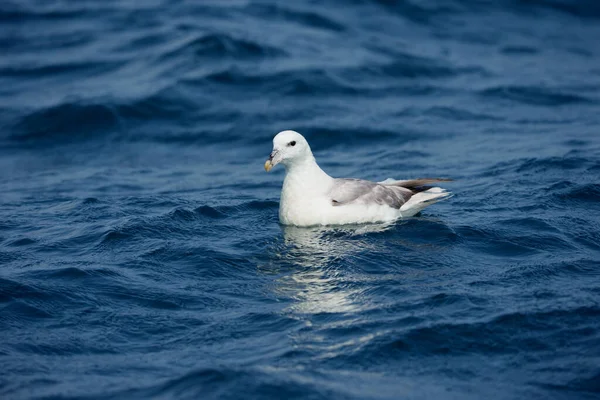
column 588, row 385
column 337, row 81
column 12, row 289
column 458, row 114
column 229, row 382
column 42, row 43
column 75, row 273
column 587, row 193
column 78, row 120
column 495, row 243
column 540, row 165
column 536, row 95
column 569, row 270
column 180, row 222
column 557, row 171
column 424, row 13
column 420, row 12
column 69, row 121
column 221, row 45
column 56, row 70
column 311, row 19
column 11, row 13
column 581, row 8
column 581, row 231
column 141, row 253
column 503, row 335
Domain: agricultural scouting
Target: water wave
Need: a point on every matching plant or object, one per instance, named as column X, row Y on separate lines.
column 139, row 239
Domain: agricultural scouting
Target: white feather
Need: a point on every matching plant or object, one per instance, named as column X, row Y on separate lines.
column 311, row 197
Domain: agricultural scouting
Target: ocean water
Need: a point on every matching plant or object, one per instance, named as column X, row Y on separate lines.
column 140, row 251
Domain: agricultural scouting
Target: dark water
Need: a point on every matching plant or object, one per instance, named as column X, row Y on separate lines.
column 140, row 251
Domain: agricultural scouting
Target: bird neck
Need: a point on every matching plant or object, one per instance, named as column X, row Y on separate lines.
column 306, row 170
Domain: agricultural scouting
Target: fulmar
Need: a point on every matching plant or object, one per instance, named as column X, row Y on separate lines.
column 310, row 197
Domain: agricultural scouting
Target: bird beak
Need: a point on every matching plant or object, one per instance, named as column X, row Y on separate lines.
column 270, row 163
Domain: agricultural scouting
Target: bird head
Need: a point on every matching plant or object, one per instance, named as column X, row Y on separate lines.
column 289, row 147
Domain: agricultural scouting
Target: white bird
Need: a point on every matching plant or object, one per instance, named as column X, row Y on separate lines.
column 311, row 197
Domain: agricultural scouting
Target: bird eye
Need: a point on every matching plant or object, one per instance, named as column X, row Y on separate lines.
column 292, row 143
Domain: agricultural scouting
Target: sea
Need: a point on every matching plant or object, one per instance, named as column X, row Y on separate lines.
column 141, row 255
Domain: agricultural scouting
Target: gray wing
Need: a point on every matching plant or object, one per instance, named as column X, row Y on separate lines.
column 358, row 191
column 416, row 185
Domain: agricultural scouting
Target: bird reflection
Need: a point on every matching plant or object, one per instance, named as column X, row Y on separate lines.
column 320, row 245
column 318, row 281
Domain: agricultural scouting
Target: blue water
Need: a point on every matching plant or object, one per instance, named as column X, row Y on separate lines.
column 140, row 250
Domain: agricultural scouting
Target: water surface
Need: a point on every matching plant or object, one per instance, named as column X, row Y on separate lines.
column 140, row 252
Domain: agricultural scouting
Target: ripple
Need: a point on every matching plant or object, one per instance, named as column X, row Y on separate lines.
column 55, row 70
column 503, row 336
column 66, row 122
column 336, row 81
column 74, row 273
column 582, row 231
column 113, row 238
column 15, row 290
column 209, row 382
column 90, row 200
column 535, row 95
column 530, row 223
column 307, row 18
column 410, row 66
column 146, row 299
column 453, row 113
column 418, row 12
column 493, row 242
column 301, row 82
column 519, row 50
column 222, row 45
column 589, row 385
column 552, row 163
column 20, row 311
column 13, row 13
column 169, row 103
column 141, row 256
column 582, row 9
column 207, row 211
column 583, row 193
column 565, row 272
column 22, row 242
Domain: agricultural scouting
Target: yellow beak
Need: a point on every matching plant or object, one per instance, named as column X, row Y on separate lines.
column 268, row 165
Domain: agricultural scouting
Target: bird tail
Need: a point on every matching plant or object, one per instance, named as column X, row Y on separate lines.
column 423, row 199
column 414, row 183
column 423, row 195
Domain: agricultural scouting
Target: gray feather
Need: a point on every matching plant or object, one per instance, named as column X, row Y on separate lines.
column 358, row 191
column 415, row 185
